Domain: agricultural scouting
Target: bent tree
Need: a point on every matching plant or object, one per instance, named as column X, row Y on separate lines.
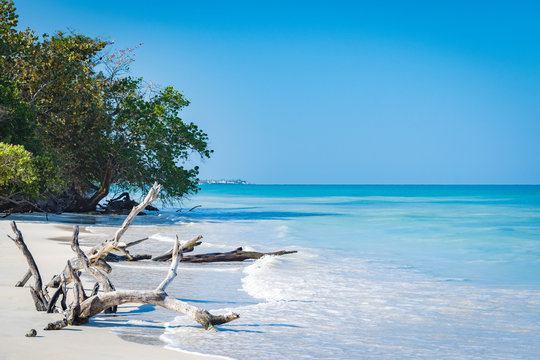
column 89, row 124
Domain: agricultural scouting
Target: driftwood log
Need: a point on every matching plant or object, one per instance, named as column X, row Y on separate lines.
column 83, row 306
column 236, row 255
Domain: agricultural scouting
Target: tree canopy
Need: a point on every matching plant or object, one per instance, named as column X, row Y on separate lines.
column 86, row 122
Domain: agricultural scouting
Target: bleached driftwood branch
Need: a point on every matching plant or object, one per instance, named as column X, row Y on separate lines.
column 187, row 247
column 40, row 299
column 99, row 302
column 99, row 252
column 177, row 254
column 82, row 307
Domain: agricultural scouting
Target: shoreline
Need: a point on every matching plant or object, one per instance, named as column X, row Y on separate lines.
column 50, row 251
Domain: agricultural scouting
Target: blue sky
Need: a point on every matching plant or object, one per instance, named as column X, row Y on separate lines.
column 386, row 92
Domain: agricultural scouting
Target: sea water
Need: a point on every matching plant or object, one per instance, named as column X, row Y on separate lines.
column 446, row 272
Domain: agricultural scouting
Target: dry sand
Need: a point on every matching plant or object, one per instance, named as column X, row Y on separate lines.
column 18, row 314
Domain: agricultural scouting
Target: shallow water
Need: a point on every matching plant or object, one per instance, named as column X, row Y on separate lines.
column 381, row 272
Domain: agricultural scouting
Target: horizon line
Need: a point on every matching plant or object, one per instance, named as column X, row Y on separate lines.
column 371, row 184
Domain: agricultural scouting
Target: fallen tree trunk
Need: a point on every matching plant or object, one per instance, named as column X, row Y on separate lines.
column 117, row 258
column 235, row 255
column 83, row 307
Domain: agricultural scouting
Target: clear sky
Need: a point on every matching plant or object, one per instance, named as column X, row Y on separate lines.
column 389, row 92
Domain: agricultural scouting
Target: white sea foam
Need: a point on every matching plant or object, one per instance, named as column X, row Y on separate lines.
column 307, row 297
column 375, row 298
column 214, row 246
column 162, row 237
column 211, row 268
column 179, row 349
column 145, row 266
column 169, row 337
column 93, row 230
column 265, row 279
column 140, row 322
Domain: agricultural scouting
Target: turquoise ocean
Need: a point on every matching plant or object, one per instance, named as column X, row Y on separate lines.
column 420, row 272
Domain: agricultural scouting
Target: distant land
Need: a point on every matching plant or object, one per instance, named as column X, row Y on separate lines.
column 222, row 181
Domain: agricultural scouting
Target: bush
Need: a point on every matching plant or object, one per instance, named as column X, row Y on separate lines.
column 18, row 174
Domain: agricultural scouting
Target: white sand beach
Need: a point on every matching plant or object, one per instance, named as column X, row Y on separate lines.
column 18, row 314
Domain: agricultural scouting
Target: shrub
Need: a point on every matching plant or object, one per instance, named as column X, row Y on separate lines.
column 18, row 175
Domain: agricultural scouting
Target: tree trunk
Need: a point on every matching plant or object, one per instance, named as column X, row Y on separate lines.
column 235, row 255
column 103, row 187
column 78, row 203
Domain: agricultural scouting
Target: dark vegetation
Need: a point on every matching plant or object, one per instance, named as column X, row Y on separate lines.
column 74, row 122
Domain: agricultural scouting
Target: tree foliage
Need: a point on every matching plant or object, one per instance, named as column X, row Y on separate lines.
column 71, row 101
column 17, row 171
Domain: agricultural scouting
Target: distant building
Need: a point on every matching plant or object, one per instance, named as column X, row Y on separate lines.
column 222, row 181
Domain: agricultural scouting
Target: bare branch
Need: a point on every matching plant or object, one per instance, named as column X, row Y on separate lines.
column 186, row 247
column 96, row 304
column 98, row 252
column 25, row 279
column 64, row 293
column 176, row 256
column 130, row 244
column 36, row 291
column 95, row 289
column 78, row 289
column 92, row 271
column 109, row 245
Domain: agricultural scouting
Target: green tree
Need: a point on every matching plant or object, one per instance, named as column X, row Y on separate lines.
column 73, row 103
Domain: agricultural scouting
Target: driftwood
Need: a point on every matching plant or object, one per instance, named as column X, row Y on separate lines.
column 60, row 291
column 83, row 307
column 193, row 208
column 24, row 280
column 99, row 252
column 187, row 247
column 117, row 258
column 127, row 257
column 111, row 298
column 235, row 255
column 40, row 299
